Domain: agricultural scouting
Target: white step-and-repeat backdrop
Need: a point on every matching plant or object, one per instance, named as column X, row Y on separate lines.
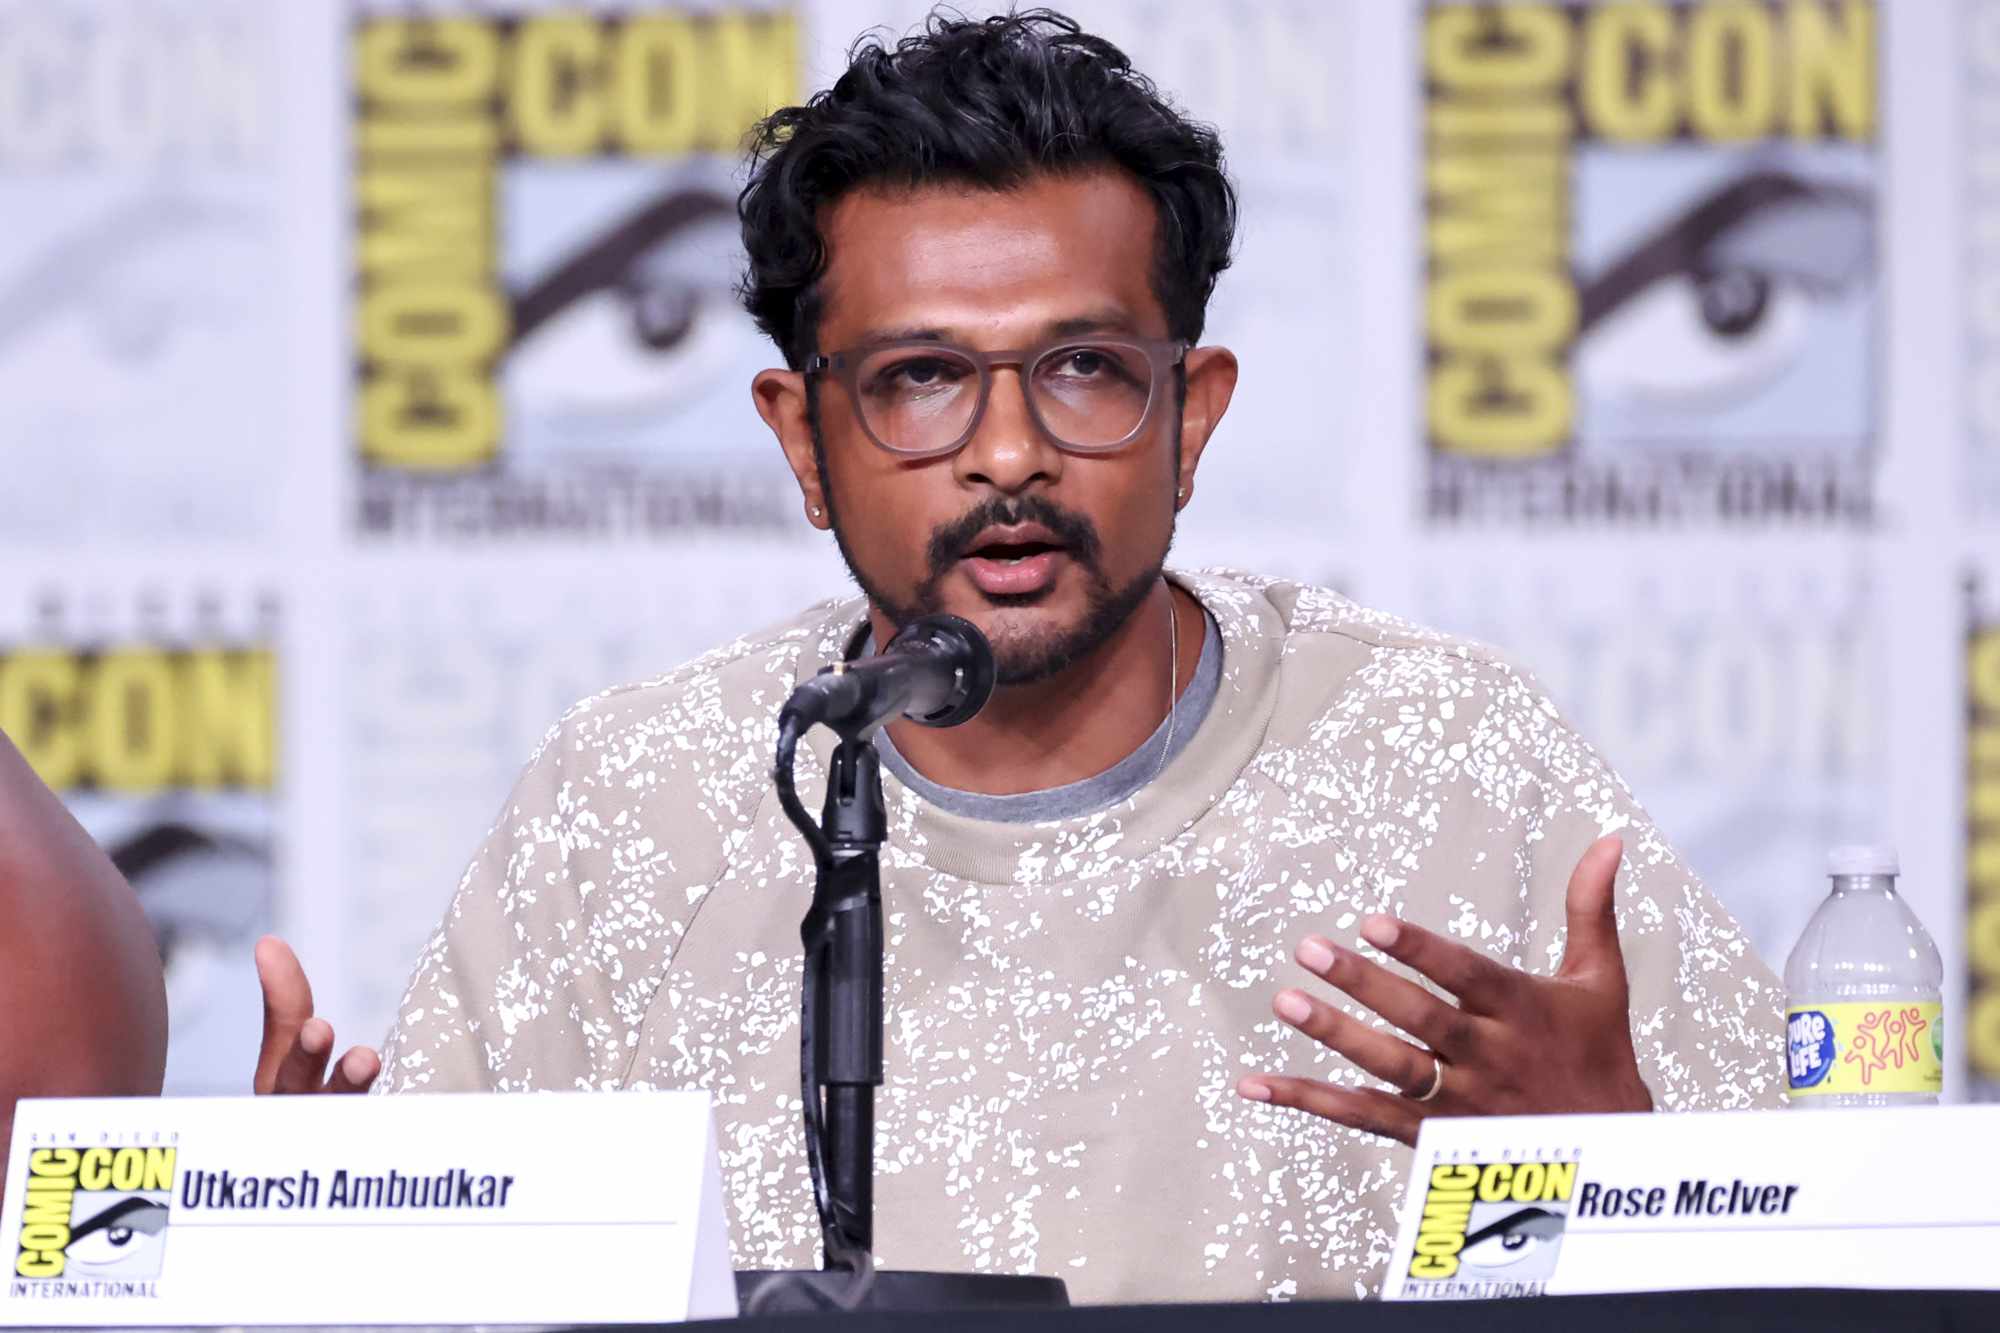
column 371, row 388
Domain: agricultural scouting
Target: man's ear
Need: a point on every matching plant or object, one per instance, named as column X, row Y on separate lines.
column 780, row 396
column 1211, row 382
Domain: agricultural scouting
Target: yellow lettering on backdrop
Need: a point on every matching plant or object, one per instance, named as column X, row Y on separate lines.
column 433, row 319
column 427, row 419
column 228, row 726
column 1502, row 48
column 1728, row 71
column 426, row 225
column 1982, row 852
column 1500, row 406
column 1832, row 86
column 432, row 316
column 129, row 728
column 1500, row 304
column 556, row 100
column 38, row 710
column 139, row 718
column 423, row 64
column 1627, row 92
column 1732, row 72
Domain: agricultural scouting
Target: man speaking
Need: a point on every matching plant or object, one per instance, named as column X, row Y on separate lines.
column 1229, row 886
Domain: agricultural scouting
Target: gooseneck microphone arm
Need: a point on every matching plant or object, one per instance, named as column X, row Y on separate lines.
column 939, row 671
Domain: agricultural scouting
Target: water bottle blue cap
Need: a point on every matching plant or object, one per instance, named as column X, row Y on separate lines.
column 1863, row 858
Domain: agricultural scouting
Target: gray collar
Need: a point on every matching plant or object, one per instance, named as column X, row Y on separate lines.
column 1114, row 785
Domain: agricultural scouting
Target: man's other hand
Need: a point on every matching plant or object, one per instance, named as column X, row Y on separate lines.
column 1514, row 1044
column 297, row 1042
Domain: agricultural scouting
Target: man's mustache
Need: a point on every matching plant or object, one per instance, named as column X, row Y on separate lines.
column 951, row 542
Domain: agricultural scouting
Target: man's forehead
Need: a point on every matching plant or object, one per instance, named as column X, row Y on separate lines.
column 1056, row 254
column 1030, row 322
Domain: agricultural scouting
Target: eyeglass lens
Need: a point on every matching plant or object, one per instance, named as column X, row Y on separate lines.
column 1087, row 394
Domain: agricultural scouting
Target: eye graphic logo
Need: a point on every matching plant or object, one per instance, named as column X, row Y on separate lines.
column 1650, row 260
column 1717, row 302
column 1491, row 1229
column 95, row 1213
column 546, row 335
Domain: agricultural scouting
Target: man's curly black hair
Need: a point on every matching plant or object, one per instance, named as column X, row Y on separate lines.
column 986, row 103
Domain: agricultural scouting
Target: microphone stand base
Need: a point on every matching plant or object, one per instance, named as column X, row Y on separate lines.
column 816, row 1291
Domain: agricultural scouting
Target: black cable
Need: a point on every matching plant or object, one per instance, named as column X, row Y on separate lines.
column 813, row 933
column 792, row 724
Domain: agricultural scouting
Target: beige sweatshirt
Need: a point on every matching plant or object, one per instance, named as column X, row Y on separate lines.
column 1069, row 1004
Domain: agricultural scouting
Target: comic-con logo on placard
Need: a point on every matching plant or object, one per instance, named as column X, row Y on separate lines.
column 94, row 1219
column 546, row 337
column 1650, row 261
column 1490, row 1229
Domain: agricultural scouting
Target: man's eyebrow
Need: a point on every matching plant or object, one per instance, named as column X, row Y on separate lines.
column 1112, row 319
column 910, row 334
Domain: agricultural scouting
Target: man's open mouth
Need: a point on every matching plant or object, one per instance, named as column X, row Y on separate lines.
column 1015, row 542
column 1013, row 553
column 1014, row 561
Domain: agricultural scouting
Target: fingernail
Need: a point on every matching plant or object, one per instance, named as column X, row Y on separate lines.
column 1254, row 1090
column 1315, row 954
column 1380, row 931
column 1293, row 1007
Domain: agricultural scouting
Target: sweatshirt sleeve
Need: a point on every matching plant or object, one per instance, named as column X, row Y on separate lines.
column 1480, row 799
column 1706, row 1013
column 562, row 928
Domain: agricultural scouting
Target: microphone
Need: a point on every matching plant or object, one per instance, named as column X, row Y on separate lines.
column 938, row 670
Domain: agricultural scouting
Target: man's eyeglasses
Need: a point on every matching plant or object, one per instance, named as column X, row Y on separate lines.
column 924, row 399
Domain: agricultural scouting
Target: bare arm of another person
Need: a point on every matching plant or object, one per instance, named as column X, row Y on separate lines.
column 83, row 1003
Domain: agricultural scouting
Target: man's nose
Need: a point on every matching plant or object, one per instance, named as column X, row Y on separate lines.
column 1008, row 451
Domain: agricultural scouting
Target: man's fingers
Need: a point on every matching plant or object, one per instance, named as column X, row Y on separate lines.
column 1374, row 1051
column 288, row 1003
column 303, row 1068
column 297, row 1045
column 355, row 1071
column 1479, row 983
column 1365, row 1109
column 1591, row 907
column 288, row 996
column 1441, row 1026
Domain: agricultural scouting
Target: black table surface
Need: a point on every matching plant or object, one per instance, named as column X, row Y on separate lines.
column 1818, row 1310
column 1776, row 1310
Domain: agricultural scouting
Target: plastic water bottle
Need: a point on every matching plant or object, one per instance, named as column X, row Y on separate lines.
column 1864, row 1021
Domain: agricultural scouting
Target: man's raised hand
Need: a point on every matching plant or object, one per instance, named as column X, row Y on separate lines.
column 296, row 1042
column 1514, row 1044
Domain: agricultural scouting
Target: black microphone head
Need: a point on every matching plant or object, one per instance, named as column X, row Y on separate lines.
column 958, row 642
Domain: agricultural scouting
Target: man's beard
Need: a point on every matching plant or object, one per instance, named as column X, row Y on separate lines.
column 1020, row 659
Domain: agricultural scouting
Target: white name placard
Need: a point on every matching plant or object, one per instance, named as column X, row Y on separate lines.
column 1522, row 1206
column 562, row 1208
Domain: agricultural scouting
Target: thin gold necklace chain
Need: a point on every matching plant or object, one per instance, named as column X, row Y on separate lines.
column 1173, row 680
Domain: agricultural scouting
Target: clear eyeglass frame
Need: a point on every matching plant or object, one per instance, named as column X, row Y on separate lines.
column 1161, row 356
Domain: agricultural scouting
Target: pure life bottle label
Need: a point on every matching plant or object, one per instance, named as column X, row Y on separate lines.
column 1863, row 1023
column 1887, row 1047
